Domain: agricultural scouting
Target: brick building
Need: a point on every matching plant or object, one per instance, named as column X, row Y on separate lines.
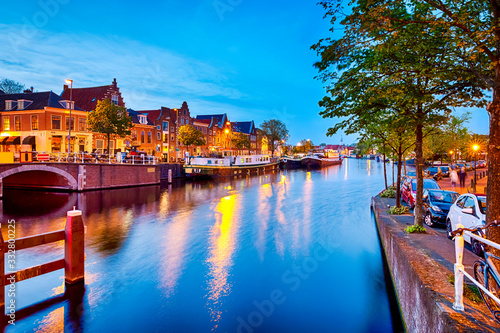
column 40, row 122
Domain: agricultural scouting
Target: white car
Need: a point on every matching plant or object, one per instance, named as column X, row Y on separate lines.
column 470, row 211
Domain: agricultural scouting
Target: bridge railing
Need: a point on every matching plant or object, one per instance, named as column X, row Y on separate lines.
column 90, row 158
column 73, row 262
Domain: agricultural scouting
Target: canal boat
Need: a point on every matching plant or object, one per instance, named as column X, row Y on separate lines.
column 317, row 160
column 212, row 167
column 287, row 162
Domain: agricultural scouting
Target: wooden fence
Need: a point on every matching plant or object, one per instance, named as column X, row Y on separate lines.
column 73, row 261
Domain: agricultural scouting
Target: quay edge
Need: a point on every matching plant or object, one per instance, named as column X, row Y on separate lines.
column 420, row 267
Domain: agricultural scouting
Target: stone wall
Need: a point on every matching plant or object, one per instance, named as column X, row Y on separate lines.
column 100, row 176
column 177, row 170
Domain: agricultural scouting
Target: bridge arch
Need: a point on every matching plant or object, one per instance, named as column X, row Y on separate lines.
column 72, row 182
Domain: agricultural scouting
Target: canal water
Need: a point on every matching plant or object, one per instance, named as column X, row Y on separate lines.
column 295, row 251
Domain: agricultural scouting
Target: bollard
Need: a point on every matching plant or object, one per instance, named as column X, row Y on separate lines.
column 74, row 248
column 459, row 276
column 169, row 175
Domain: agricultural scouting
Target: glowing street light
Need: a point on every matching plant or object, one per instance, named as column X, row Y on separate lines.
column 475, row 147
column 451, row 155
column 68, row 81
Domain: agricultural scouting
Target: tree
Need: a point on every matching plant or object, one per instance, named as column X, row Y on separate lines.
column 188, row 136
column 11, row 87
column 275, row 131
column 240, row 140
column 381, row 66
column 110, row 119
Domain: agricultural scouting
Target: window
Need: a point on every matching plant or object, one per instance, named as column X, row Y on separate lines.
column 182, row 121
column 149, row 137
column 17, row 123
column 72, row 123
column 187, row 121
column 56, row 122
column 82, row 124
column 158, row 127
column 204, row 130
column 114, row 99
column 165, row 126
column 165, row 137
column 23, row 104
column 184, row 112
column 210, row 132
column 56, row 144
column 172, row 138
column 6, row 123
column 9, row 105
column 134, row 135
column 99, row 145
column 142, row 137
column 34, row 122
column 158, row 136
column 469, row 203
column 142, row 119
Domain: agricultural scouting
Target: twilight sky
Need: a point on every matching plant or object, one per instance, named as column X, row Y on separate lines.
column 249, row 59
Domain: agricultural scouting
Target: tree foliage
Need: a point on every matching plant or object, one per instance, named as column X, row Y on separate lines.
column 240, row 140
column 275, row 131
column 389, row 65
column 11, row 87
column 110, row 119
column 188, row 136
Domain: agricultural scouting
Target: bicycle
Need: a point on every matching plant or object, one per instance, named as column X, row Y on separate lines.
column 485, row 271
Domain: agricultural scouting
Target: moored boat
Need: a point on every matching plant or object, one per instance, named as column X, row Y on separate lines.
column 287, row 162
column 230, row 166
column 317, row 161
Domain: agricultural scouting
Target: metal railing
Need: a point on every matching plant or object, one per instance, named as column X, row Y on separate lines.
column 92, row 158
column 460, row 270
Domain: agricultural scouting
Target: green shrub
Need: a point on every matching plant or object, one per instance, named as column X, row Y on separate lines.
column 389, row 193
column 415, row 229
column 470, row 291
column 398, row 211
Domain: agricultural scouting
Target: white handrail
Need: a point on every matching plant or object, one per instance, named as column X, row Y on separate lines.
column 460, row 271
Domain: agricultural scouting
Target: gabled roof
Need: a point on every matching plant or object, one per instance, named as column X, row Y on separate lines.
column 333, row 147
column 220, row 118
column 39, row 100
column 87, row 98
column 135, row 116
column 153, row 115
column 203, row 121
column 242, row 126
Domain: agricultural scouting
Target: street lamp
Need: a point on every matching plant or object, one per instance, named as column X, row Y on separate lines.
column 451, row 156
column 227, row 133
column 475, row 147
column 70, row 107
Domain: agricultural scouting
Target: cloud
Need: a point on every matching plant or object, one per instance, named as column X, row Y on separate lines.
column 148, row 76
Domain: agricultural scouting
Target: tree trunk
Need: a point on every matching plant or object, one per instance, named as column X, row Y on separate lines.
column 392, row 170
column 109, row 139
column 398, row 179
column 493, row 190
column 419, row 160
column 385, row 172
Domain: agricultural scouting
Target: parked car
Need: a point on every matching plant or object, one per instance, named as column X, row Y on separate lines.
column 470, row 211
column 469, row 166
column 446, row 169
column 436, row 206
column 409, row 189
column 435, row 172
column 481, row 164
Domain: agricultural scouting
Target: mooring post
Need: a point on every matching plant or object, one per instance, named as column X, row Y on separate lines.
column 169, row 175
column 459, row 276
column 1, row 188
column 74, row 248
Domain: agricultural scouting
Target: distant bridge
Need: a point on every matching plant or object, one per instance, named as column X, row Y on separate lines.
column 71, row 177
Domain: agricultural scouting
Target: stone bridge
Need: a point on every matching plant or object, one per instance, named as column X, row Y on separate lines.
column 70, row 177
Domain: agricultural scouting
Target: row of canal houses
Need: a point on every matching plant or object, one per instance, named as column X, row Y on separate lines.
column 39, row 121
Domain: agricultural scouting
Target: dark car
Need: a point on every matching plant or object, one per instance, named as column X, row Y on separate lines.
column 409, row 189
column 435, row 172
column 436, row 206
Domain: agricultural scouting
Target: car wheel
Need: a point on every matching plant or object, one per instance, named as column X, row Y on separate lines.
column 428, row 220
column 449, row 230
column 476, row 246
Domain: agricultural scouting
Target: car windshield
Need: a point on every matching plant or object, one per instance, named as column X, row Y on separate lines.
column 432, row 169
column 481, row 200
column 444, row 197
column 411, row 174
column 428, row 183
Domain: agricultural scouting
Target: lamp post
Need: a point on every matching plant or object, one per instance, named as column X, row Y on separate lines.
column 70, row 107
column 227, row 133
column 451, row 156
column 475, row 147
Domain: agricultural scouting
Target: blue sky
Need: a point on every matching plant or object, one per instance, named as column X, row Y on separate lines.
column 249, row 59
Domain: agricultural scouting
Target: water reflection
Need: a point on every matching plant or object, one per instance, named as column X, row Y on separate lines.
column 222, row 246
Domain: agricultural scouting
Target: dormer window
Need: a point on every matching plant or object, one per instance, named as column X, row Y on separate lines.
column 114, row 100
column 66, row 104
column 10, row 104
column 23, row 104
column 142, row 119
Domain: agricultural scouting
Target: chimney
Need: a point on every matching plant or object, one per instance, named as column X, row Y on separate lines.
column 114, row 82
column 27, row 91
column 65, row 87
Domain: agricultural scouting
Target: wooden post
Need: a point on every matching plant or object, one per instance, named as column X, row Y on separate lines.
column 74, row 248
column 169, row 175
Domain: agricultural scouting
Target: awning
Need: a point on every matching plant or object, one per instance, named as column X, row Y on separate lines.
column 13, row 140
column 3, row 140
column 29, row 140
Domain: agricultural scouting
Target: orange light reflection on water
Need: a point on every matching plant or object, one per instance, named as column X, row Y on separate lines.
column 222, row 246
